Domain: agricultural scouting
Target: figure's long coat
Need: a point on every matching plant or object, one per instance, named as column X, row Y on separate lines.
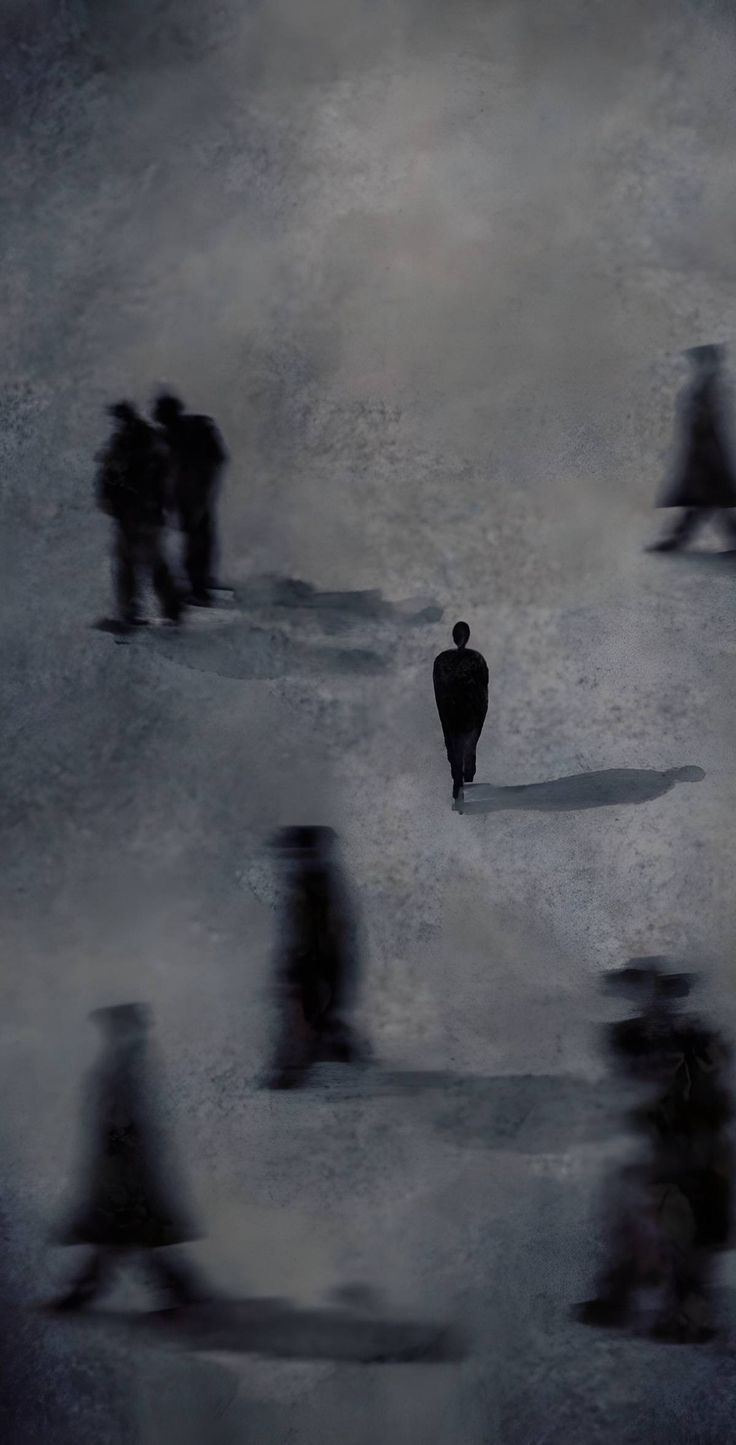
column 197, row 458
column 704, row 473
column 460, row 678
column 319, row 953
column 129, row 1194
column 131, row 476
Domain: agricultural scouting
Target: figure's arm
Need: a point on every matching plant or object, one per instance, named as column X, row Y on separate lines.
column 104, row 485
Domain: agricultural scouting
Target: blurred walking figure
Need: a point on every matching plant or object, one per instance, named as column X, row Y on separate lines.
column 705, row 482
column 671, row 1207
column 130, row 1203
column 318, row 958
column 131, row 479
column 461, row 691
column 197, row 457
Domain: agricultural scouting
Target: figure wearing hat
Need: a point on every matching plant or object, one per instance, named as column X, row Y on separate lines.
column 131, row 1201
column 672, row 1207
column 318, row 960
column 460, row 678
column 131, row 481
column 704, row 481
column 197, row 457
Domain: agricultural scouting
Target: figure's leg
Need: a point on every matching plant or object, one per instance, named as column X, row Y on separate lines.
column 339, row 1042
column 455, row 753
column 727, row 523
column 198, row 558
column 163, row 581
column 207, row 548
column 294, row 1052
column 175, row 1277
column 92, row 1279
column 471, row 743
column 125, row 576
column 687, row 1312
column 610, row 1305
column 683, row 529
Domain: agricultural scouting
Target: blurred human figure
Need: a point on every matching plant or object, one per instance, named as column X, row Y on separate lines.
column 704, row 483
column 131, row 479
column 130, row 1204
column 671, row 1207
column 318, row 959
column 460, row 678
column 197, row 456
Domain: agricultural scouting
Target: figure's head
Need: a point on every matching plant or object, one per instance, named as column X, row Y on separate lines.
column 123, row 412
column 123, row 1022
column 167, row 408
column 705, row 358
column 460, row 634
column 685, row 775
column 646, row 979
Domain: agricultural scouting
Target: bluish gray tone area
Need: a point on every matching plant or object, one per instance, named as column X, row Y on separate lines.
column 430, row 264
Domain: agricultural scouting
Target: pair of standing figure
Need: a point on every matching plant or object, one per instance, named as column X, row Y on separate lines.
column 145, row 472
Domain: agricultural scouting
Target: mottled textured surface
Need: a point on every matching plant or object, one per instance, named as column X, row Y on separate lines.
column 430, row 266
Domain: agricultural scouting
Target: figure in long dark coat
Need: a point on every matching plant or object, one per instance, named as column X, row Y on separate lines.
column 131, row 480
column 131, row 1202
column 705, row 481
column 197, row 456
column 318, row 960
column 674, row 1214
column 461, row 691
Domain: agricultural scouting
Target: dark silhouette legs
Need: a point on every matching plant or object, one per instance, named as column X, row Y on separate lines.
column 306, row 1038
column 199, row 556
column 461, row 748
column 136, row 552
column 688, row 523
column 173, row 1276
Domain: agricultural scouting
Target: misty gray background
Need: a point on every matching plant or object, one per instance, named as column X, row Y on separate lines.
column 430, row 265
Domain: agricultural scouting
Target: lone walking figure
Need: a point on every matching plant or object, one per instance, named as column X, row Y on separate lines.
column 460, row 678
column 130, row 1206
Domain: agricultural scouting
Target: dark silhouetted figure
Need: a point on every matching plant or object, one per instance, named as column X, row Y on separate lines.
column 672, row 1207
column 197, row 458
column 705, row 482
column 131, row 481
column 461, row 691
column 130, row 1204
column 318, row 958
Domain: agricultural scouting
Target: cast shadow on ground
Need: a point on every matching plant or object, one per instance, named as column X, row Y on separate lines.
column 256, row 653
column 722, row 563
column 334, row 610
column 609, row 788
column 520, row 1113
column 274, row 1328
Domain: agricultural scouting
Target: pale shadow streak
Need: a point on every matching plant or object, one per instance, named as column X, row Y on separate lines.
column 523, row 1113
column 274, row 1328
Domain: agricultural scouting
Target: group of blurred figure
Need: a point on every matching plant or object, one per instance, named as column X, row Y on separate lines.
column 669, row 1210
column 150, row 472
column 669, row 1204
